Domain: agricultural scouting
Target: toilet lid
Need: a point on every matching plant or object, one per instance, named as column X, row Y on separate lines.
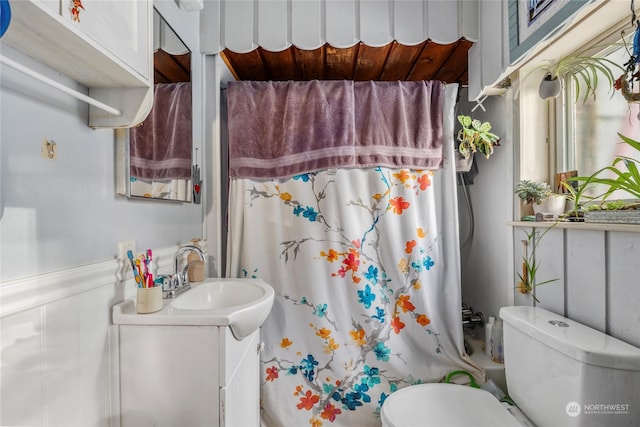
column 448, row 405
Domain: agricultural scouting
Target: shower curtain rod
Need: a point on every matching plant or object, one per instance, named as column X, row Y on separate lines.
column 82, row 97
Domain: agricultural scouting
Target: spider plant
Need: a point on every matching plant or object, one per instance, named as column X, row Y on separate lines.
column 581, row 68
column 625, row 179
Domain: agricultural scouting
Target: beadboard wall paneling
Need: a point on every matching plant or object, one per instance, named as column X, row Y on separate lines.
column 549, row 255
column 623, row 286
column 598, row 277
column 586, row 299
column 520, row 252
column 55, row 344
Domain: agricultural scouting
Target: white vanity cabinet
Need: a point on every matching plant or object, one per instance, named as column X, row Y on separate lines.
column 195, row 361
column 187, row 376
column 109, row 50
column 240, row 380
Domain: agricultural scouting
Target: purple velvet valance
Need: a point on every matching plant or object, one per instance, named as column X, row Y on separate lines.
column 281, row 129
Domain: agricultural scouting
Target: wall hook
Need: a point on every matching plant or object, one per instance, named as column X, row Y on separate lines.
column 48, row 149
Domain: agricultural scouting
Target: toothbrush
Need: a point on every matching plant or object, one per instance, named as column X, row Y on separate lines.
column 139, row 273
column 150, row 275
column 142, row 258
column 136, row 275
column 148, row 259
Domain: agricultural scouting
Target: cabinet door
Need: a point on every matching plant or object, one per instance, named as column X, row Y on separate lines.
column 240, row 396
column 122, row 27
column 168, row 376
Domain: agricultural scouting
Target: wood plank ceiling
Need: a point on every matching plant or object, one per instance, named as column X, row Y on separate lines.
column 392, row 62
column 169, row 68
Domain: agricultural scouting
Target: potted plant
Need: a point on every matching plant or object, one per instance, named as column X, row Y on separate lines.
column 527, row 281
column 574, row 195
column 540, row 197
column 622, row 175
column 532, row 192
column 476, row 136
column 579, row 67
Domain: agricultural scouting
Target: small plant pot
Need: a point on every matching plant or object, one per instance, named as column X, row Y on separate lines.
column 549, row 88
column 553, row 204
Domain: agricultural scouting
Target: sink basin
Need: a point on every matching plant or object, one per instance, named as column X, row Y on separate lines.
column 220, row 295
column 241, row 304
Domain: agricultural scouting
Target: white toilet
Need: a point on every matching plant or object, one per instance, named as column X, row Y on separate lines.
column 559, row 373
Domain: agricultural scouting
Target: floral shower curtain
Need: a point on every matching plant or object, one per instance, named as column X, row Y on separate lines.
column 365, row 265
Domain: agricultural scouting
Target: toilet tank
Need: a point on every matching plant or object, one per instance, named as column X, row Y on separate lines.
column 563, row 373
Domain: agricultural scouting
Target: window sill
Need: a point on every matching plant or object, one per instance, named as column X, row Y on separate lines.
column 627, row 228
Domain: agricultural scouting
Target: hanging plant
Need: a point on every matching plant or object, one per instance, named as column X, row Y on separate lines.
column 631, row 75
column 476, row 136
column 580, row 68
column 625, row 85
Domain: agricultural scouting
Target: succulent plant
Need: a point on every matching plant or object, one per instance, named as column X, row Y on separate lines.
column 532, row 192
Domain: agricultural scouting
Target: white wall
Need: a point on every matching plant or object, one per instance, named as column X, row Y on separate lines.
column 64, row 213
column 60, row 225
column 595, row 276
column 595, row 266
column 486, row 265
column 56, row 361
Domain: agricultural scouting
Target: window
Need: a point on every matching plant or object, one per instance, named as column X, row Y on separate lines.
column 590, row 139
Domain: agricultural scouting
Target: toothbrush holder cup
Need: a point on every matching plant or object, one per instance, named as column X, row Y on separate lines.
column 149, row 300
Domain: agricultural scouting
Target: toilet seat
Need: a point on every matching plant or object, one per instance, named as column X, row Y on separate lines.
column 444, row 405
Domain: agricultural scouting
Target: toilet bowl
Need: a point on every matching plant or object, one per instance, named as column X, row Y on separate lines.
column 558, row 371
column 444, row 405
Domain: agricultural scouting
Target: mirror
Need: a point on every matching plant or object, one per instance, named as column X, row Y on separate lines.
column 155, row 159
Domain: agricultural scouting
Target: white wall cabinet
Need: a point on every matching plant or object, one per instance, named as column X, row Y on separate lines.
column 109, row 51
column 188, row 375
column 119, row 27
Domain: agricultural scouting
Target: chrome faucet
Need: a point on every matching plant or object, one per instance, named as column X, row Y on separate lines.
column 178, row 282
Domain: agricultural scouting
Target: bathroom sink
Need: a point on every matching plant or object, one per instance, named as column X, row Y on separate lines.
column 221, row 294
column 241, row 304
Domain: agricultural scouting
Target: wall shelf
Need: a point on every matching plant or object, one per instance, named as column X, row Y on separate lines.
column 121, row 79
column 626, row 228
